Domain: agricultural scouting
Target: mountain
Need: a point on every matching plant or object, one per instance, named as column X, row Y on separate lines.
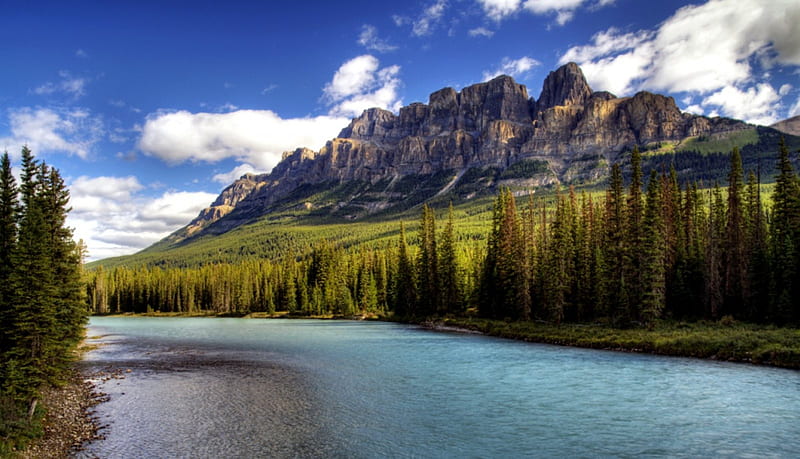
column 789, row 126
column 469, row 142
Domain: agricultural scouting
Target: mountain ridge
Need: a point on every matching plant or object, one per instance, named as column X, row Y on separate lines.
column 568, row 135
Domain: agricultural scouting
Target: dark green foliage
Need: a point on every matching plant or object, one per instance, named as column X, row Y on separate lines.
column 428, row 265
column 43, row 308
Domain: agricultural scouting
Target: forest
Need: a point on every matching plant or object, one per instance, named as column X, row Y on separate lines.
column 42, row 305
column 651, row 249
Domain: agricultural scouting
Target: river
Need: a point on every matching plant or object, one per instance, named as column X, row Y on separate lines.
column 209, row 387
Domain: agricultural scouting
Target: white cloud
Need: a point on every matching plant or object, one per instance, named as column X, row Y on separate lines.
column 564, row 10
column 360, row 84
column 369, row 39
column 695, row 109
column 255, row 136
column 113, row 218
column 785, row 89
column 756, row 104
column 269, row 89
column 72, row 86
column 229, row 177
column 480, row 32
column 45, row 130
column 430, row 17
column 513, row 67
column 701, row 49
column 499, row 9
column 81, row 53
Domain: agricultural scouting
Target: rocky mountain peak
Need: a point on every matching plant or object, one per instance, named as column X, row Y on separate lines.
column 564, row 86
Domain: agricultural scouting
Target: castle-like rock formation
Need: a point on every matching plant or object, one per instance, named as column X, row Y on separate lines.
column 495, row 123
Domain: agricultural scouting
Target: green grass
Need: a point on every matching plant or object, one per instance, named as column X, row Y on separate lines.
column 718, row 143
column 727, row 340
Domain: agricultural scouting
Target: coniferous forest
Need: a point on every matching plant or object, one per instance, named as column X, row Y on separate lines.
column 42, row 294
column 651, row 249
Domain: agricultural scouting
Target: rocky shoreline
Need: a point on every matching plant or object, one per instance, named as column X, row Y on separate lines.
column 68, row 423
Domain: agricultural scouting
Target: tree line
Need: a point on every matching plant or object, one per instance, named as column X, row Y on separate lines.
column 42, row 306
column 651, row 249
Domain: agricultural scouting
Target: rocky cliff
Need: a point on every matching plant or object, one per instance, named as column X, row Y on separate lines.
column 569, row 133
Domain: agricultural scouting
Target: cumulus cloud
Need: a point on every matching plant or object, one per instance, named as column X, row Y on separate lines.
column 755, row 104
column 369, row 39
column 228, row 177
column 73, row 131
column 257, row 137
column 429, row 19
column 563, row 10
column 114, row 217
column 514, row 67
column 360, row 84
column 499, row 9
column 480, row 32
column 72, row 86
column 708, row 49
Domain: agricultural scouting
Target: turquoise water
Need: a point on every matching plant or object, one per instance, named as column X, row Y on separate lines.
column 210, row 387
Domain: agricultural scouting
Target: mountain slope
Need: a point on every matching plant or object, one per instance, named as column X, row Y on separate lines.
column 789, row 126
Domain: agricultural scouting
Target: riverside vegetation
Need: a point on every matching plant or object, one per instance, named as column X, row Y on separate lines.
column 42, row 304
column 659, row 267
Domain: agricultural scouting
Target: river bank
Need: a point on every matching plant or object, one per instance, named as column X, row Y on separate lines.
column 68, row 423
column 734, row 342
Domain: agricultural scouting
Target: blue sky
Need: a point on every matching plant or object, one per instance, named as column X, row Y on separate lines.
column 150, row 108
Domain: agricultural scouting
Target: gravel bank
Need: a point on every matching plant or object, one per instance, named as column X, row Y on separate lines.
column 68, row 422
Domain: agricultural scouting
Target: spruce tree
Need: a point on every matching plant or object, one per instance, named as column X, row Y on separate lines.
column 9, row 212
column 448, row 270
column 405, row 290
column 784, row 243
column 615, row 251
column 734, row 254
column 653, row 254
column 427, row 265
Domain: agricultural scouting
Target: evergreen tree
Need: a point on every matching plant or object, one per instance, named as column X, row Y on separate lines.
column 449, row 282
column 615, row 285
column 405, row 291
column 427, row 265
column 784, row 243
column 653, row 254
column 634, row 235
column 9, row 210
column 734, row 254
column 757, row 296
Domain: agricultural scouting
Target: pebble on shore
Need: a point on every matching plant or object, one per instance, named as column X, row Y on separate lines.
column 68, row 423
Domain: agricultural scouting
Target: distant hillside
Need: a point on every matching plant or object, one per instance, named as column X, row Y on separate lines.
column 789, row 126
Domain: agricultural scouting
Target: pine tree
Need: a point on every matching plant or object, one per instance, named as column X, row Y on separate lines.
column 615, row 252
column 784, row 240
column 450, row 287
column 757, row 296
column 734, row 252
column 405, row 290
column 653, row 254
column 9, row 213
column 427, row 265
column 634, row 235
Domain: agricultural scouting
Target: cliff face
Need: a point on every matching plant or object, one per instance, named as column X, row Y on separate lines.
column 492, row 124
